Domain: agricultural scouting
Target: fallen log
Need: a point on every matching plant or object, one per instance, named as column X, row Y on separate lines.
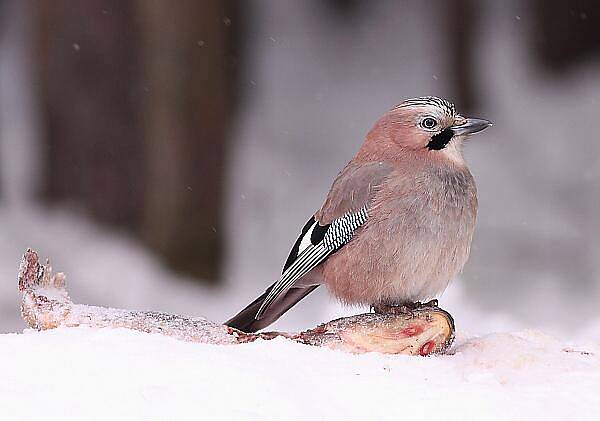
column 46, row 305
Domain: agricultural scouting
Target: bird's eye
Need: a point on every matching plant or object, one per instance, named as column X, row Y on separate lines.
column 429, row 123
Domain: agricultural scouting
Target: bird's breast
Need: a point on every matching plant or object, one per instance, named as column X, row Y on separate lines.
column 416, row 239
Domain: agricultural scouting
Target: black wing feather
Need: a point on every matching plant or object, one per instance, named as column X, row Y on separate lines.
column 296, row 248
column 331, row 238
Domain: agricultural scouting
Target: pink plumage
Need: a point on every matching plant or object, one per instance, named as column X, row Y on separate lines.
column 397, row 224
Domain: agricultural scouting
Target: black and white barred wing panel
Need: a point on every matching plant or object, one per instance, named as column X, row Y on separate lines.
column 314, row 246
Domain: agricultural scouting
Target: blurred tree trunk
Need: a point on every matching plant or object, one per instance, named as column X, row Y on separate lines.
column 136, row 104
column 87, row 81
column 462, row 17
column 186, row 113
column 565, row 33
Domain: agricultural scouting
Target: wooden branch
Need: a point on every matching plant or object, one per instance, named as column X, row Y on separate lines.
column 46, row 305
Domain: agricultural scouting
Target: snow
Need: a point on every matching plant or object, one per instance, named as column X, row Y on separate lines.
column 106, row 374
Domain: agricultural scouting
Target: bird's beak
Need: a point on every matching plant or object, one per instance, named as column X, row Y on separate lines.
column 470, row 126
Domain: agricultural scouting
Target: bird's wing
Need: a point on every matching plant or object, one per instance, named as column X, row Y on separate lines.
column 344, row 211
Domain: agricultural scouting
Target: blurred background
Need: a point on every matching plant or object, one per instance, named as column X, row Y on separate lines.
column 166, row 154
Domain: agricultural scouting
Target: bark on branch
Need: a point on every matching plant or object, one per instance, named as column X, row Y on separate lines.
column 46, row 305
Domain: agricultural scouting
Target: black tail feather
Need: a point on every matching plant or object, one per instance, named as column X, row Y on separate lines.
column 245, row 319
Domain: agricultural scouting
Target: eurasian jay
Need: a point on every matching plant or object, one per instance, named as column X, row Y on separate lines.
column 397, row 224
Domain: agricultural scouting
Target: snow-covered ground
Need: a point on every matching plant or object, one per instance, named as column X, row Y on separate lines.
column 75, row 374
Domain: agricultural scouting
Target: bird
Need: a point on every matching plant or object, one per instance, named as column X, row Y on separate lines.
column 397, row 224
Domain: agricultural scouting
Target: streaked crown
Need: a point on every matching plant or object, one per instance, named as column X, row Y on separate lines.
column 446, row 106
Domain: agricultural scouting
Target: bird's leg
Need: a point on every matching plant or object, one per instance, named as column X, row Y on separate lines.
column 404, row 308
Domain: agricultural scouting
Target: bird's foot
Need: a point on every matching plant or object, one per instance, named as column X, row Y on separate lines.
column 406, row 308
column 393, row 308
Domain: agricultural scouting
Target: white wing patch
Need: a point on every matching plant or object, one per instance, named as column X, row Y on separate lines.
column 338, row 233
column 306, row 239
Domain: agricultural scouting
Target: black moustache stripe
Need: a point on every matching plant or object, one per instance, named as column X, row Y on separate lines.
column 440, row 140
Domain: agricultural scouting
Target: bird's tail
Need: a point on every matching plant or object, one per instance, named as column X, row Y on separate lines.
column 246, row 321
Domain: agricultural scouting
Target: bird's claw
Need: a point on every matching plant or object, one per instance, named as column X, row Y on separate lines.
column 430, row 303
column 392, row 309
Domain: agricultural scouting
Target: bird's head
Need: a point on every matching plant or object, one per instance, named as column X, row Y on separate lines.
column 431, row 125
